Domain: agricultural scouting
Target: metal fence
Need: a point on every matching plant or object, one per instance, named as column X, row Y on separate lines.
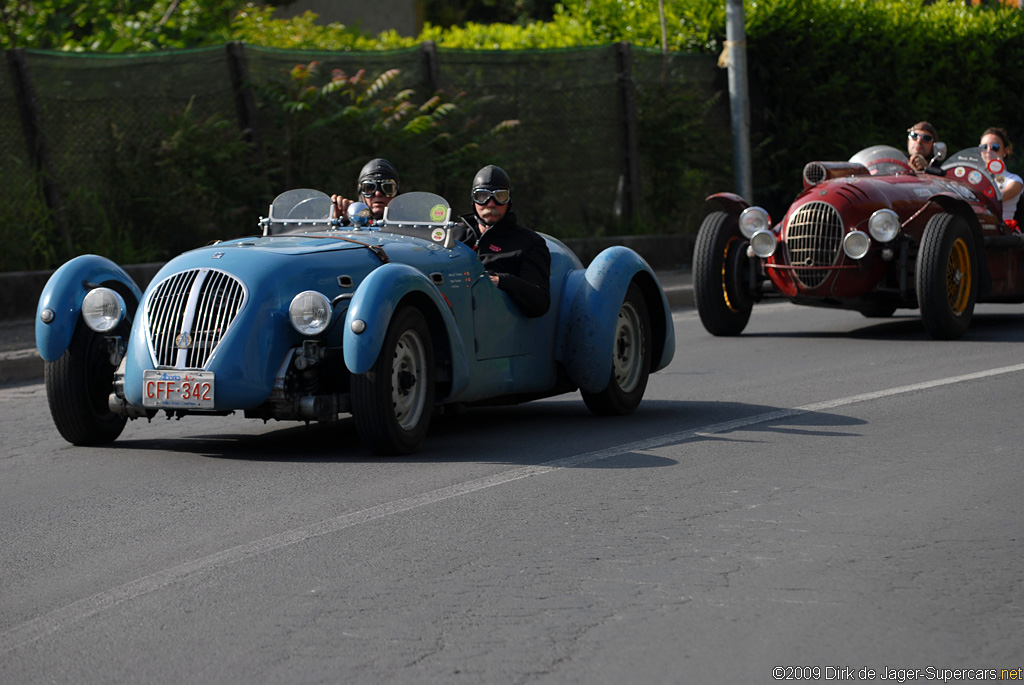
column 611, row 139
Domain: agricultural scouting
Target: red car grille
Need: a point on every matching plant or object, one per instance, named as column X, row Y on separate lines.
column 813, row 239
column 187, row 315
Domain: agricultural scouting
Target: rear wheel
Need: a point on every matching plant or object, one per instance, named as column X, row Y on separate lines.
column 393, row 401
column 631, row 359
column 78, row 387
column 946, row 277
column 720, row 276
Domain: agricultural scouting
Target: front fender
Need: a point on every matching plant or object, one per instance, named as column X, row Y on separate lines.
column 591, row 303
column 375, row 302
column 63, row 295
column 730, row 202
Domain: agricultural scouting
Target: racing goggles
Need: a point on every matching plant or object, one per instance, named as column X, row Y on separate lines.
column 482, row 195
column 926, row 137
column 994, row 147
column 387, row 186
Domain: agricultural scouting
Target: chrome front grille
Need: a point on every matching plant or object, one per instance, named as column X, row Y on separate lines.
column 814, row 238
column 187, row 315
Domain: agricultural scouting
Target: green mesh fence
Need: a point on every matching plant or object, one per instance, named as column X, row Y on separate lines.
column 147, row 155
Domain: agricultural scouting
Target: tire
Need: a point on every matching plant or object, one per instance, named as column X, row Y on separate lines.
column 393, row 401
column 78, row 387
column 631, row 360
column 947, row 277
column 720, row 275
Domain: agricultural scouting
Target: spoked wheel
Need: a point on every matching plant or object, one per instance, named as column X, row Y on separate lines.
column 393, row 401
column 631, row 359
column 78, row 387
column 947, row 277
column 720, row 276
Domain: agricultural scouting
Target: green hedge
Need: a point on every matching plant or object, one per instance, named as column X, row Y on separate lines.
column 830, row 78
column 827, row 77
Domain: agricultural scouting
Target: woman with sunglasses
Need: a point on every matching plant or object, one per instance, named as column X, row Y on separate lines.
column 921, row 139
column 515, row 257
column 995, row 144
column 377, row 185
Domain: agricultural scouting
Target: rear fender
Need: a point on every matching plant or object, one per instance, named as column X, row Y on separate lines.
column 590, row 312
column 63, row 294
column 375, row 302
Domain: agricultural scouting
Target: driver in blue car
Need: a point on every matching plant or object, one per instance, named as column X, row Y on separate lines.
column 377, row 185
column 515, row 257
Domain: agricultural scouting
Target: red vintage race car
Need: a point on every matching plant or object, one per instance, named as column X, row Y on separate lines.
column 871, row 235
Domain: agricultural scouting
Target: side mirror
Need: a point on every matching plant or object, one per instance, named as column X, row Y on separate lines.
column 939, row 152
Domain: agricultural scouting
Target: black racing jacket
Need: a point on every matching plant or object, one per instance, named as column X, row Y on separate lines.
column 517, row 256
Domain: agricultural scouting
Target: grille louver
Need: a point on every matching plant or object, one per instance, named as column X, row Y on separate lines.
column 187, row 315
column 813, row 238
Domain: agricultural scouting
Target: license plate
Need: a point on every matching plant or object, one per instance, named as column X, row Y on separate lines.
column 173, row 389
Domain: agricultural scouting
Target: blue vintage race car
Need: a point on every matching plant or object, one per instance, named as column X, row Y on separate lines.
column 314, row 320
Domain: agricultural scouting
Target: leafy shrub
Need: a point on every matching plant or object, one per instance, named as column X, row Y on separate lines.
column 113, row 25
column 331, row 130
column 195, row 180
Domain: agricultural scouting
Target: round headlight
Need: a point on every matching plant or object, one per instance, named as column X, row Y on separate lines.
column 754, row 219
column 359, row 214
column 856, row 244
column 102, row 309
column 884, row 225
column 763, row 244
column 310, row 312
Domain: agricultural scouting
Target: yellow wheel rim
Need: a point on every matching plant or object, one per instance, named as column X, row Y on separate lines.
column 959, row 277
column 725, row 283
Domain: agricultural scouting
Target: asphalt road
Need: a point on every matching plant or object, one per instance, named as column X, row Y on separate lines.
column 823, row 492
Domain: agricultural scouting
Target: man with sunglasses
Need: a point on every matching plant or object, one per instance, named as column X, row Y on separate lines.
column 516, row 258
column 377, row 185
column 921, row 138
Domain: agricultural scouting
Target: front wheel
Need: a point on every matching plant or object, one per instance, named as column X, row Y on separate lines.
column 393, row 401
column 946, row 277
column 631, row 359
column 78, row 387
column 720, row 276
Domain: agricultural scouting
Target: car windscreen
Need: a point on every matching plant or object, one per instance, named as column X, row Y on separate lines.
column 883, row 160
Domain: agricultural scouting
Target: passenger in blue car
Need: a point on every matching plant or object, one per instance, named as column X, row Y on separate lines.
column 377, row 185
column 516, row 258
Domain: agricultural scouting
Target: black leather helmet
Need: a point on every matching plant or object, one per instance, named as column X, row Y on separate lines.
column 492, row 178
column 377, row 169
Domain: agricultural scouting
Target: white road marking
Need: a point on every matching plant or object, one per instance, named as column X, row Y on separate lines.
column 49, row 623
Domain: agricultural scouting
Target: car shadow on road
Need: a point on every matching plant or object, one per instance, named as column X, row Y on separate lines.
column 519, row 435
column 1000, row 328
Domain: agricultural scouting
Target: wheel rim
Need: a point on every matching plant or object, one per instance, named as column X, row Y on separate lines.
column 408, row 391
column 725, row 279
column 627, row 359
column 959, row 277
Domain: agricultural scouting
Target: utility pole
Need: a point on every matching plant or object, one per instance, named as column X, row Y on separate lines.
column 735, row 55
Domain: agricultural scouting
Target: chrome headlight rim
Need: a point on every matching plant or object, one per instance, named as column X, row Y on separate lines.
column 752, row 220
column 103, row 309
column 310, row 313
column 856, row 244
column 763, row 244
column 884, row 225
